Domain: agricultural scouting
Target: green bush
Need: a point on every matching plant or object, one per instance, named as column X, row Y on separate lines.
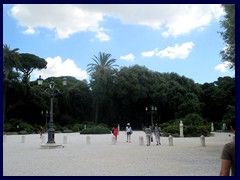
column 9, row 127
column 188, row 130
column 171, row 129
column 96, row 130
column 24, row 126
column 194, row 119
column 196, row 131
column 77, row 127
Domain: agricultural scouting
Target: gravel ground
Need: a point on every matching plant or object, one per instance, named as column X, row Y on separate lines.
column 103, row 158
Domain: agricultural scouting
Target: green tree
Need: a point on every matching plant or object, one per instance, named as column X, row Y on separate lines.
column 100, row 72
column 10, row 61
column 29, row 63
column 228, row 35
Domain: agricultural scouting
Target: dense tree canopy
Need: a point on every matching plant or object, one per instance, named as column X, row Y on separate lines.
column 228, row 35
column 29, row 62
column 121, row 96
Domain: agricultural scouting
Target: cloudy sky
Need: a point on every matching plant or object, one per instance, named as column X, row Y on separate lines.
column 181, row 38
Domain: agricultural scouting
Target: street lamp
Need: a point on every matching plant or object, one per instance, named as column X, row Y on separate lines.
column 51, row 130
column 153, row 109
column 46, row 118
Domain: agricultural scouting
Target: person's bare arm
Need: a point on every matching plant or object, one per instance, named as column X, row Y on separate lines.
column 225, row 167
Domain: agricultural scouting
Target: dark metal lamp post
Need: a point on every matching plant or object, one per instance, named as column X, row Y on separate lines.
column 153, row 110
column 51, row 130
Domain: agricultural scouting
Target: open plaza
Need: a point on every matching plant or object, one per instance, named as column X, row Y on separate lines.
column 98, row 155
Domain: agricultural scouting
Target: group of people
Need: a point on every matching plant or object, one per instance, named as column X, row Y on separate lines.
column 148, row 132
column 157, row 132
column 128, row 132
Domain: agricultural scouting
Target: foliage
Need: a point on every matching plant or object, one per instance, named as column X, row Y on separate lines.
column 120, row 96
column 78, row 127
column 24, row 126
column 101, row 79
column 228, row 35
column 194, row 120
column 229, row 116
column 171, row 129
column 96, row 130
column 29, row 62
column 196, row 130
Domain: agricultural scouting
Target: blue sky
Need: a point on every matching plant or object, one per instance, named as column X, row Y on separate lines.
column 165, row 38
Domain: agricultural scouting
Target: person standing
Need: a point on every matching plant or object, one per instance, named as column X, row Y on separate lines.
column 128, row 131
column 41, row 131
column 115, row 131
column 148, row 133
column 228, row 157
column 157, row 131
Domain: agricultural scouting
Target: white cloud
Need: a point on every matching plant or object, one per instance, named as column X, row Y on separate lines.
column 62, row 18
column 66, row 19
column 29, row 31
column 130, row 57
column 149, row 53
column 56, row 67
column 174, row 52
column 102, row 36
column 223, row 67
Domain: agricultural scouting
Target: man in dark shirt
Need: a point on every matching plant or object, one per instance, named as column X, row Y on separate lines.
column 228, row 157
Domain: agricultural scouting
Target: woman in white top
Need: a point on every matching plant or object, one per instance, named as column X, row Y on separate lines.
column 128, row 131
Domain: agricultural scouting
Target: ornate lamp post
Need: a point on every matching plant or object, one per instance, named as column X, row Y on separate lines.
column 153, row 109
column 51, row 130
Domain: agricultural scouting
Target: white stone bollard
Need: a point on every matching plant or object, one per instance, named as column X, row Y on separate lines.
column 141, row 140
column 88, row 139
column 170, row 139
column 202, row 140
column 23, row 139
column 64, row 139
column 43, row 139
column 181, row 129
column 113, row 140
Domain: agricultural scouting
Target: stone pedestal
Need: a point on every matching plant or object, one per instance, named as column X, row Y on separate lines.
column 51, row 146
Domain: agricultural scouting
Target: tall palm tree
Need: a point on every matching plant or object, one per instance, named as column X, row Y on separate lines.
column 99, row 72
column 10, row 61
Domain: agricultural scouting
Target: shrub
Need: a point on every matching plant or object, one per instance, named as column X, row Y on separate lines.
column 77, row 127
column 24, row 126
column 9, row 127
column 196, row 131
column 96, row 130
column 172, row 129
column 194, row 119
